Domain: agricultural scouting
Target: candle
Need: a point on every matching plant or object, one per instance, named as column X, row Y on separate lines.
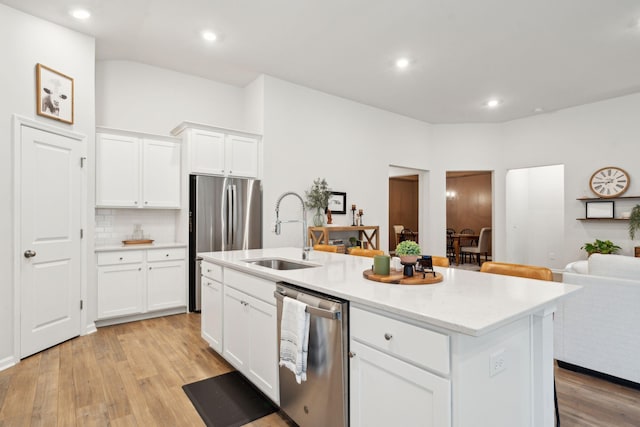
column 353, row 207
column 360, row 212
column 381, row 264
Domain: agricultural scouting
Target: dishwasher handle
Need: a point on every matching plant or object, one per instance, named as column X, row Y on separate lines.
column 314, row 311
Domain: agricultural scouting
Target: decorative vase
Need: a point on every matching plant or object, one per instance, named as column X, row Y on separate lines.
column 409, row 259
column 318, row 218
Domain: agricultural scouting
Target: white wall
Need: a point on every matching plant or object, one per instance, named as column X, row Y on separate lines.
column 583, row 139
column 535, row 216
column 27, row 41
column 139, row 97
column 309, row 134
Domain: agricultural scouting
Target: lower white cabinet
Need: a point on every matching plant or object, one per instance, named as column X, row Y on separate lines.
column 249, row 332
column 139, row 281
column 387, row 391
column 386, row 386
column 120, row 290
column 211, row 305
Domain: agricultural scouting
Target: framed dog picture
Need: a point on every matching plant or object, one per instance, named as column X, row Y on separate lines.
column 54, row 94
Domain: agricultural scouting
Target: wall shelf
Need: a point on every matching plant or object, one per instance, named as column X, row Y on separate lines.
column 604, row 199
column 602, row 219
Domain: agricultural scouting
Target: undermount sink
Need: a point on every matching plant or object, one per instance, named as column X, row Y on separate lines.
column 279, row 264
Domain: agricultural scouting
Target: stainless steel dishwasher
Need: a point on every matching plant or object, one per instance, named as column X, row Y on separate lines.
column 323, row 399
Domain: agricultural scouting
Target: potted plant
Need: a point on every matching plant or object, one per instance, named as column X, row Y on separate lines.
column 634, row 226
column 318, row 199
column 408, row 251
column 601, row 247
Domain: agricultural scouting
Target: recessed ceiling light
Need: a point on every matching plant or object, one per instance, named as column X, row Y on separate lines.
column 402, row 63
column 209, row 36
column 80, row 14
column 493, row 103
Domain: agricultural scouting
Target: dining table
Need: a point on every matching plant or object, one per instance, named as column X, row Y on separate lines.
column 456, row 243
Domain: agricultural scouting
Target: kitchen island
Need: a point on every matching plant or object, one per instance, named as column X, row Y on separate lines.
column 472, row 350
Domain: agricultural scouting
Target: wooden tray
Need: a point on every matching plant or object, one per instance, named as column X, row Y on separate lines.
column 137, row 242
column 396, row 277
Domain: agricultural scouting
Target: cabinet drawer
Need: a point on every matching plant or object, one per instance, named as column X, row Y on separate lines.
column 255, row 286
column 165, row 254
column 415, row 344
column 212, row 271
column 121, row 257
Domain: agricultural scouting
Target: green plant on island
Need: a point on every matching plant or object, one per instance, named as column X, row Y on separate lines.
column 634, row 222
column 601, row 247
column 408, row 247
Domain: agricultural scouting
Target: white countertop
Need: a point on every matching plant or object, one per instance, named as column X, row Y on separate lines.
column 123, row 247
column 465, row 301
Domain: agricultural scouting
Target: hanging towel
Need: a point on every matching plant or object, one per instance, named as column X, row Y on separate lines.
column 294, row 337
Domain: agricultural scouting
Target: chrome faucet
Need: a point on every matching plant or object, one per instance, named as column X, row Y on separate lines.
column 305, row 236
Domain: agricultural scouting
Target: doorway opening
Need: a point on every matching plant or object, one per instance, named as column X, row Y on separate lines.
column 404, row 206
column 469, row 207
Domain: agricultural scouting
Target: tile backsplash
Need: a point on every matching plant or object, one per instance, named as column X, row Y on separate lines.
column 112, row 226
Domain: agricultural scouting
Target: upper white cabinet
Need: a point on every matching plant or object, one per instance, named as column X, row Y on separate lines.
column 217, row 151
column 137, row 171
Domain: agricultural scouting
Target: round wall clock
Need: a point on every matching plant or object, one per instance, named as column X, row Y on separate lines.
column 609, row 182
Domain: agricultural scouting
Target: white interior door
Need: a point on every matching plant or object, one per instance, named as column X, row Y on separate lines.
column 51, row 184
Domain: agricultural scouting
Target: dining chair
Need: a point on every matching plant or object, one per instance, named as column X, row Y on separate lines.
column 450, row 248
column 325, row 248
column 463, row 241
column 529, row 272
column 366, row 252
column 397, row 229
column 440, row 261
column 482, row 248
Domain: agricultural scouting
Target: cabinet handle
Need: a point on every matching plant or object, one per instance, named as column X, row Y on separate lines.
column 135, row 203
column 120, row 258
column 388, row 336
column 146, row 203
column 167, row 255
column 149, row 268
column 139, row 268
column 352, row 354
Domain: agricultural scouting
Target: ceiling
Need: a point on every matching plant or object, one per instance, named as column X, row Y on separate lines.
column 546, row 54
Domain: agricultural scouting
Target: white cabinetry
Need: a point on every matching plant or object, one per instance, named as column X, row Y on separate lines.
column 218, row 151
column 133, row 282
column 393, row 380
column 137, row 171
column 250, row 335
column 211, row 309
column 120, row 283
column 165, row 278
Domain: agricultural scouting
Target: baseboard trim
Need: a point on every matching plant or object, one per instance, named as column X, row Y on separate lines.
column 90, row 329
column 141, row 316
column 7, row 362
column 607, row 377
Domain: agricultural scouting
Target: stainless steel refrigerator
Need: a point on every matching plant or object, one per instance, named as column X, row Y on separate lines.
column 224, row 214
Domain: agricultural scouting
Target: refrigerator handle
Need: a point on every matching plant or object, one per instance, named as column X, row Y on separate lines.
column 234, row 213
column 227, row 219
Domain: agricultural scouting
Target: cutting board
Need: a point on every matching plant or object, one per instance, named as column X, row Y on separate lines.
column 396, row 277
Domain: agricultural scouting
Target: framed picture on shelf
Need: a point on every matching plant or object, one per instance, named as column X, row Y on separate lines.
column 600, row 209
column 338, row 202
column 54, row 94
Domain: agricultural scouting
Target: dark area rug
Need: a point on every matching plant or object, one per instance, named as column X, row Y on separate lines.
column 228, row 400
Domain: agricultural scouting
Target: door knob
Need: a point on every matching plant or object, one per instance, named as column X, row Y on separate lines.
column 29, row 253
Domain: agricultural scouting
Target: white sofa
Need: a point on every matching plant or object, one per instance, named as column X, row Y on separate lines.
column 598, row 328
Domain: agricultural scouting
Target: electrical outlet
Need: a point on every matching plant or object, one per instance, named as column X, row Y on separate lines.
column 498, row 363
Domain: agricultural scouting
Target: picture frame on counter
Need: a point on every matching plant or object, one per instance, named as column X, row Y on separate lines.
column 338, row 203
column 600, row 210
column 54, row 94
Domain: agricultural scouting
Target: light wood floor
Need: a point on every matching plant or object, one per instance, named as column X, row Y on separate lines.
column 132, row 374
